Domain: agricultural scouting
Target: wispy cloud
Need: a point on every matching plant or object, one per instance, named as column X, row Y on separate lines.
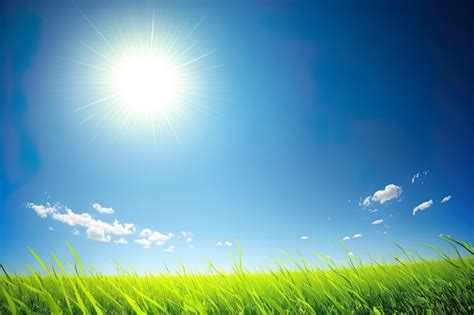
column 188, row 236
column 390, row 192
column 42, row 210
column 143, row 242
column 95, row 229
column 347, row 238
column 423, row 206
column 446, row 199
column 50, row 228
column 102, row 209
column 304, row 237
column 121, row 240
column 170, row 249
column 419, row 176
column 379, row 221
column 225, row 243
column 366, row 202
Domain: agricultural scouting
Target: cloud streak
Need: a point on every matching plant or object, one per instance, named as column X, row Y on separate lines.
column 423, row 206
column 446, row 199
column 102, row 209
column 347, row 238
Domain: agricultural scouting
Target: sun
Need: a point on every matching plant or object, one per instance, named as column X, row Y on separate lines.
column 146, row 84
column 142, row 75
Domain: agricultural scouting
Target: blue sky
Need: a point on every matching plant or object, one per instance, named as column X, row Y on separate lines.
column 303, row 111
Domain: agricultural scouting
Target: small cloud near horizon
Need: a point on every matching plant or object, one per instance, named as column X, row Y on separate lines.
column 170, row 249
column 121, row 240
column 143, row 242
column 155, row 237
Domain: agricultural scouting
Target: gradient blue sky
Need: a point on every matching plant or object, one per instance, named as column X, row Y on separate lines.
column 312, row 108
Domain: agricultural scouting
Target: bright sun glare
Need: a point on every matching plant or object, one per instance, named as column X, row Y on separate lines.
column 143, row 75
column 146, row 84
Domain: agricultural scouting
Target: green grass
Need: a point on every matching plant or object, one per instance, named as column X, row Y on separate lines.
column 410, row 285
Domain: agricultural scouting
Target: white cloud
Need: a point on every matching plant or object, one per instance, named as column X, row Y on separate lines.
column 304, row 237
column 170, row 249
column 446, row 199
column 121, row 240
column 346, row 238
column 95, row 229
column 373, row 210
column 156, row 237
column 191, row 246
column 390, row 192
column 76, row 233
column 102, row 231
column 419, row 176
column 219, row 244
column 227, row 243
column 143, row 242
column 357, row 235
column 97, row 234
column 50, row 228
column 377, row 222
column 423, row 206
column 42, row 210
column 102, row 209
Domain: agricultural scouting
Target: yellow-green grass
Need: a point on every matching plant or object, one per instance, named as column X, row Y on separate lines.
column 444, row 286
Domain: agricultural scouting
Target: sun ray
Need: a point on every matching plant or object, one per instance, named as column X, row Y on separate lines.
column 98, row 53
column 100, row 100
column 92, row 24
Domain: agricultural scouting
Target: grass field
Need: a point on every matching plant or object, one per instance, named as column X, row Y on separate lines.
column 411, row 285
